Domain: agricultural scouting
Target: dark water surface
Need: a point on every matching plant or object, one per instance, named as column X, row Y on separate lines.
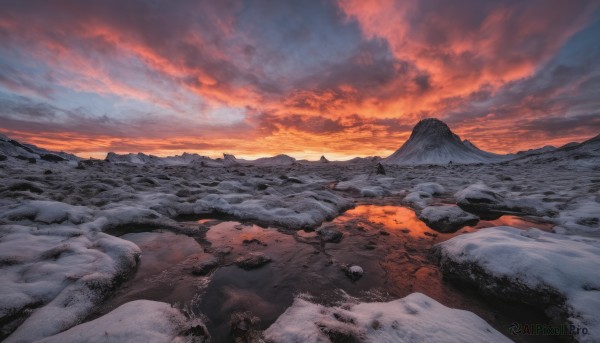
column 389, row 242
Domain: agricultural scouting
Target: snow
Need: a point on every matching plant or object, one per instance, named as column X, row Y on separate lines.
column 415, row 318
column 534, row 262
column 581, row 217
column 367, row 185
column 65, row 270
column 418, row 200
column 446, row 218
column 47, row 212
column 136, row 321
column 432, row 188
column 355, row 270
column 372, row 192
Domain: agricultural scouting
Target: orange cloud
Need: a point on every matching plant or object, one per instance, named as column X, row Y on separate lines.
column 346, row 78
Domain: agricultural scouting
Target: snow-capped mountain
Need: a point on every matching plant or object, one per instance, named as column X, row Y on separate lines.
column 432, row 142
column 10, row 148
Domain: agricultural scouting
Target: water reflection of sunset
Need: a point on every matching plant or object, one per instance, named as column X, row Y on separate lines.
column 393, row 218
column 404, row 220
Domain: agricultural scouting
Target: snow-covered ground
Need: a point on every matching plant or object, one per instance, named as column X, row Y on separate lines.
column 415, row 318
column 57, row 262
column 544, row 269
column 141, row 321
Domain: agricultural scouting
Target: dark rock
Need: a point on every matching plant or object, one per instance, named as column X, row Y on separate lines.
column 25, row 186
column 52, row 158
column 379, row 169
column 199, row 332
column 22, row 158
column 3, row 158
column 252, row 260
column 330, row 235
column 245, row 327
column 47, row 172
column 32, row 160
column 292, row 179
column 370, row 246
column 262, row 186
column 254, row 240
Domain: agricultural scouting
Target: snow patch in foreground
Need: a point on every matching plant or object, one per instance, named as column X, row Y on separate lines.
column 538, row 265
column 61, row 272
column 136, row 321
column 415, row 318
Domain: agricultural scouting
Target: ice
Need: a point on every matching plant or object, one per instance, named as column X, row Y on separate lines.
column 533, row 266
column 415, row 318
column 136, row 321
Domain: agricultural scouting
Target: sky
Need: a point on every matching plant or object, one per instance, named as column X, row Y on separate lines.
column 305, row 78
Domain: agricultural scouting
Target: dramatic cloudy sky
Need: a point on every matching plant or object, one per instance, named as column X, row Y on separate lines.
column 340, row 78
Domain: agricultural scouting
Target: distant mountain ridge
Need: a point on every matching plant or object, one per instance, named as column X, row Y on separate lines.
column 431, row 142
column 584, row 153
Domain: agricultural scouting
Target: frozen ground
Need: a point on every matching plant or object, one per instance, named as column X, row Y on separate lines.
column 57, row 262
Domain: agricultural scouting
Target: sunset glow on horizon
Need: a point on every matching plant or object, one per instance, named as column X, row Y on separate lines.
column 305, row 78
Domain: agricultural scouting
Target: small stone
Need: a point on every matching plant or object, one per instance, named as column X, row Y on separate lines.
column 353, row 272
